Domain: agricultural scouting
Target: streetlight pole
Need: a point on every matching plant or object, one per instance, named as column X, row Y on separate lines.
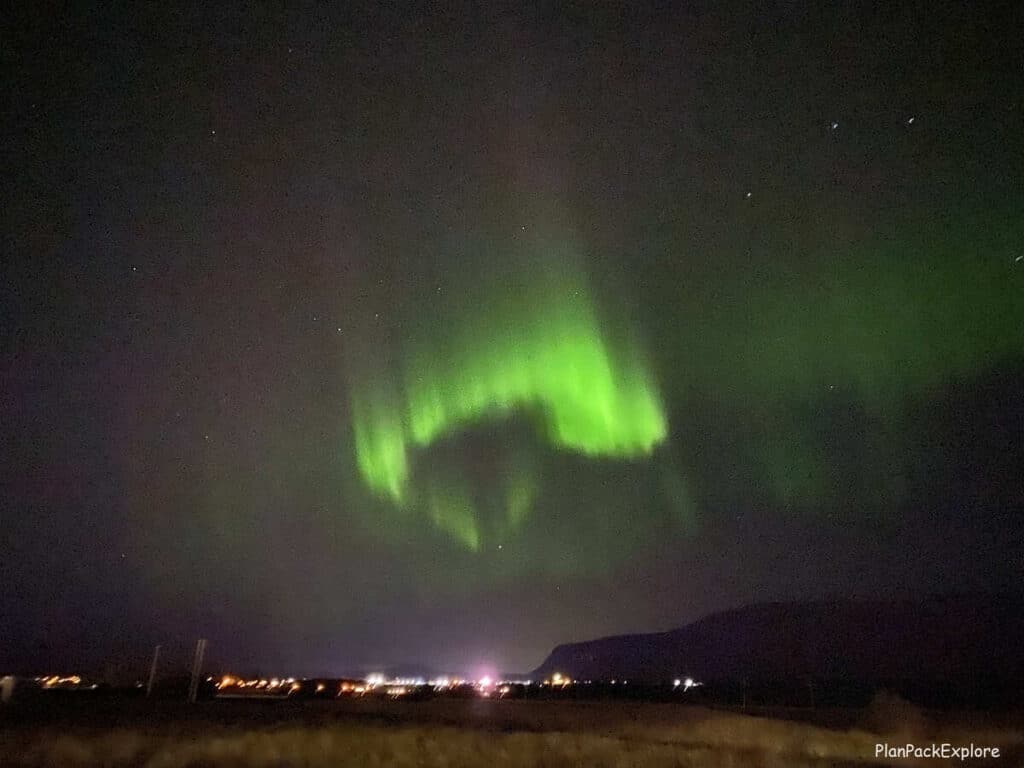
column 197, row 669
column 152, row 671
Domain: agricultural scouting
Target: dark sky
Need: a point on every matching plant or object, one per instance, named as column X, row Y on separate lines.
column 357, row 337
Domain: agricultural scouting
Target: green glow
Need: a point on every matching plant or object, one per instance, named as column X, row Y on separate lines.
column 526, row 336
column 380, row 448
column 820, row 360
column 522, row 492
column 558, row 362
column 451, row 511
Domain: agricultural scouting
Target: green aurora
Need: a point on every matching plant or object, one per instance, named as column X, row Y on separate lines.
column 522, row 337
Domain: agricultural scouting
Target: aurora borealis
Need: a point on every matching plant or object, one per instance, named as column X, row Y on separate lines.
column 353, row 337
column 523, row 336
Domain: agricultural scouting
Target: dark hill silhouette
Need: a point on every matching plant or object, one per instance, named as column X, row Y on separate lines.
column 933, row 642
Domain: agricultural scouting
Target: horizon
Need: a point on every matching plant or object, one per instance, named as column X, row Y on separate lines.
column 182, row 658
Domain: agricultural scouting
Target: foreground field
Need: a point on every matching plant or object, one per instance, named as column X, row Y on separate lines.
column 465, row 733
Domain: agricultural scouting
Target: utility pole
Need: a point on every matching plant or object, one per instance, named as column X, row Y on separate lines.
column 7, row 688
column 152, row 671
column 197, row 669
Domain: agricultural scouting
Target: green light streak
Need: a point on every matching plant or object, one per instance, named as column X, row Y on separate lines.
column 452, row 512
column 380, row 448
column 522, row 491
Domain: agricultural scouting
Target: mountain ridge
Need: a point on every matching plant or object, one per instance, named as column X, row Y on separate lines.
column 940, row 639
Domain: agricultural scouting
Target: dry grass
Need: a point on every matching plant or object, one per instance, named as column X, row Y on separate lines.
column 377, row 746
column 498, row 735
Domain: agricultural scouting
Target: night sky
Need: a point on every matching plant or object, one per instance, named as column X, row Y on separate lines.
column 348, row 338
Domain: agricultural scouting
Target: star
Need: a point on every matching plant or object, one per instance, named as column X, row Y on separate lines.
column 835, row 125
